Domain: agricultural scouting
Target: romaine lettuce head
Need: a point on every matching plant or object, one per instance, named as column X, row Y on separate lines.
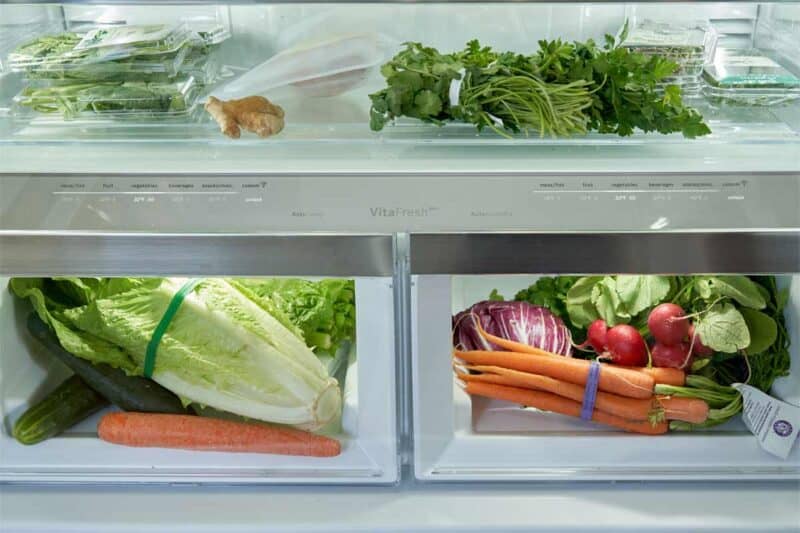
column 324, row 310
column 221, row 349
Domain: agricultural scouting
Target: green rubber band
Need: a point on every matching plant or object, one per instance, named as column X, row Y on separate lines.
column 163, row 324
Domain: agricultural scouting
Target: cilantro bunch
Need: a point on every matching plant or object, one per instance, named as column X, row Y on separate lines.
column 562, row 89
column 498, row 91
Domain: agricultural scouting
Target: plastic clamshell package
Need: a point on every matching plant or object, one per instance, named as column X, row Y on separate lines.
column 689, row 39
column 749, row 69
column 62, row 52
column 689, row 44
column 115, row 100
column 749, row 77
column 131, row 40
column 144, row 68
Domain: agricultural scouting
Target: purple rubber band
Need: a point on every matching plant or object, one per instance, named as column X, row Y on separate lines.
column 590, row 392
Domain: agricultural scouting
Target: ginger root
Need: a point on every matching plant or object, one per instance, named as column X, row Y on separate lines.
column 253, row 113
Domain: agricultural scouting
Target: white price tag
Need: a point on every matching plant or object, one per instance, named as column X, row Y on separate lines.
column 774, row 423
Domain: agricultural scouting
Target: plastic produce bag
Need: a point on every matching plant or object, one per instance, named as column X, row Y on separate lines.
column 316, row 68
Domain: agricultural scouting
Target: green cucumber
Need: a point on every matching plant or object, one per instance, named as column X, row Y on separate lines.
column 68, row 404
column 129, row 393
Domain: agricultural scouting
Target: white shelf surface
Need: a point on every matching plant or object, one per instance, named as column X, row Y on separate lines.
column 728, row 507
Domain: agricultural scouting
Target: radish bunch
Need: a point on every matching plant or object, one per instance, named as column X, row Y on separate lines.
column 622, row 344
column 675, row 340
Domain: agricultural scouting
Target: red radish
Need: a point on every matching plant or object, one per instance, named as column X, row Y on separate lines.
column 626, row 346
column 668, row 324
column 671, row 356
column 698, row 348
column 597, row 334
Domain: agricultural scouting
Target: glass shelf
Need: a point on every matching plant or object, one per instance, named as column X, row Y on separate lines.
column 332, row 135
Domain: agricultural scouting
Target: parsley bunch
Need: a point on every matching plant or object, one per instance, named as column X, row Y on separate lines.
column 625, row 94
column 563, row 89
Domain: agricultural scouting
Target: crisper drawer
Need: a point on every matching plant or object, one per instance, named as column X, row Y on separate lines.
column 276, row 345
column 483, row 413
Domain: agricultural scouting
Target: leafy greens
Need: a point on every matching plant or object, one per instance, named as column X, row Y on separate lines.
column 107, row 97
column 562, row 89
column 324, row 311
column 739, row 317
column 225, row 348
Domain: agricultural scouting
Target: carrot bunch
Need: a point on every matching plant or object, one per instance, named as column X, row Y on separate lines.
column 536, row 378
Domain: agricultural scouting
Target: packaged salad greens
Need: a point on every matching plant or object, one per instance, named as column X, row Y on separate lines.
column 749, row 77
column 118, row 72
column 121, row 53
column 143, row 68
column 128, row 99
column 98, row 45
column 132, row 40
column 689, row 44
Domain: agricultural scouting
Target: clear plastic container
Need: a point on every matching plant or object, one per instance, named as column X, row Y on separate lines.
column 749, row 77
column 133, row 40
column 690, row 44
column 50, row 57
column 143, row 68
column 73, row 50
column 681, row 39
column 117, row 100
column 54, row 57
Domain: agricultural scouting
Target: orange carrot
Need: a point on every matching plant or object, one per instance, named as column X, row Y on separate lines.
column 663, row 376
column 667, row 376
column 198, row 433
column 512, row 346
column 693, row 410
column 552, row 402
column 630, row 408
column 621, row 381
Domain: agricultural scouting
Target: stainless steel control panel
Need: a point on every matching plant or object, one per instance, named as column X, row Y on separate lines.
column 438, row 203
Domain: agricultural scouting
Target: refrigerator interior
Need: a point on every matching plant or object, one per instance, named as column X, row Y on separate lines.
column 366, row 427
column 329, row 134
column 458, row 437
